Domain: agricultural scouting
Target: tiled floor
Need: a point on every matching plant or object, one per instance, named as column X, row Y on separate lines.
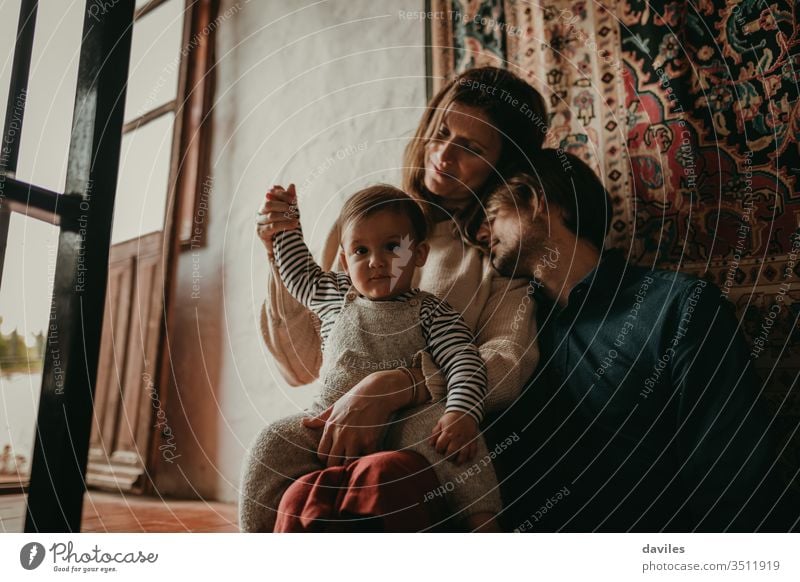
column 110, row 512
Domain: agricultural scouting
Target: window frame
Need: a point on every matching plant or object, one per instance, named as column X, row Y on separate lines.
column 84, row 214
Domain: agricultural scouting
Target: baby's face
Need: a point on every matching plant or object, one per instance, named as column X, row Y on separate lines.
column 380, row 255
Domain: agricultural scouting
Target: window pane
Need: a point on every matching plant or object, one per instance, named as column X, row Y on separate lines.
column 155, row 59
column 51, row 94
column 25, row 298
column 142, row 187
column 9, row 15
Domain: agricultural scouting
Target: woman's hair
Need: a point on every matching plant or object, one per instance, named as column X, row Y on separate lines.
column 379, row 198
column 566, row 181
column 515, row 109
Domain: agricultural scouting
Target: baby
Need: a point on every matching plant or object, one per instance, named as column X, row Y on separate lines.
column 372, row 319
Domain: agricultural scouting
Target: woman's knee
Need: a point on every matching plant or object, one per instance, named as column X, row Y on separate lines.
column 273, row 439
column 262, row 445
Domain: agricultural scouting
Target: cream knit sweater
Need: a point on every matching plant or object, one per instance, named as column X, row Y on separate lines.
column 496, row 308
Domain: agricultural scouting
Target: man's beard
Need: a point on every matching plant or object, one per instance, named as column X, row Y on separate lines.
column 508, row 263
column 518, row 258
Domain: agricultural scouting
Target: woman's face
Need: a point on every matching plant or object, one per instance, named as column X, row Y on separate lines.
column 461, row 155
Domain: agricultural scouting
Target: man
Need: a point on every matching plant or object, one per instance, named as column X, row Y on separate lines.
column 644, row 414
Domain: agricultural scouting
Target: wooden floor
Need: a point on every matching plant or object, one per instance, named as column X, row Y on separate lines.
column 110, row 512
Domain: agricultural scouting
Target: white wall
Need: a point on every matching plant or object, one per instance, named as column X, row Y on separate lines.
column 321, row 94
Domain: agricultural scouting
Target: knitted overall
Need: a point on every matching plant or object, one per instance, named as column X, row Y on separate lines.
column 367, row 336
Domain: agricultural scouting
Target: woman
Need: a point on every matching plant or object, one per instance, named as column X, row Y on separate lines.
column 477, row 130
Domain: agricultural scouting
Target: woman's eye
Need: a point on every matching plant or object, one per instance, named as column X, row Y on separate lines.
column 473, row 150
column 443, row 131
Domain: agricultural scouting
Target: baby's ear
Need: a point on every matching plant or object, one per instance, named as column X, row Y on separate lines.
column 343, row 261
column 421, row 253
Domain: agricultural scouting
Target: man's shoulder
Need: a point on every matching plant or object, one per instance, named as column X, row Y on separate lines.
column 673, row 283
column 676, row 280
column 672, row 291
column 629, row 276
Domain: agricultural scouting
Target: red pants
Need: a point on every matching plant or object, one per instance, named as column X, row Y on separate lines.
column 380, row 492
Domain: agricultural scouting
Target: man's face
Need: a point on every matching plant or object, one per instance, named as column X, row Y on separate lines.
column 513, row 239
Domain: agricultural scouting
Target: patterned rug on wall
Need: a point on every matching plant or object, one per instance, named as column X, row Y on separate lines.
column 690, row 114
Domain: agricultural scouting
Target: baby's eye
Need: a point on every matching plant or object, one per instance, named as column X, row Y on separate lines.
column 392, row 247
column 360, row 251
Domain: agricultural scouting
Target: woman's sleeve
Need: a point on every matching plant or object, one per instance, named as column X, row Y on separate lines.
column 290, row 331
column 506, row 340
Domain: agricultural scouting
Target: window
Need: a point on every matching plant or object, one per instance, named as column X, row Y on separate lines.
column 67, row 194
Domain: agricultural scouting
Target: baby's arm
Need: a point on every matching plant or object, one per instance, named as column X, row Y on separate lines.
column 302, row 276
column 452, row 348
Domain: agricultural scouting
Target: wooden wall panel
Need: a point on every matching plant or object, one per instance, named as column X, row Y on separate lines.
column 123, row 406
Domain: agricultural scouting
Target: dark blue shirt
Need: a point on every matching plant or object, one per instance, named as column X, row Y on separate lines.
column 643, row 415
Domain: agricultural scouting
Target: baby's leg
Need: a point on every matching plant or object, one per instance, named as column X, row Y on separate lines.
column 471, row 489
column 284, row 451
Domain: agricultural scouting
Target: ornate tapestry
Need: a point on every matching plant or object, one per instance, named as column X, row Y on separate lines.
column 690, row 114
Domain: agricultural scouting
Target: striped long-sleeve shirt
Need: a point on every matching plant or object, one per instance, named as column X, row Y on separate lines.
column 449, row 340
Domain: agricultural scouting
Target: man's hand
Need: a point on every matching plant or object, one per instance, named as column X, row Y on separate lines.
column 456, row 432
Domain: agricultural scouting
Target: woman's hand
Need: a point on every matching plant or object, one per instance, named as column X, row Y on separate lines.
column 456, row 434
column 277, row 214
column 353, row 425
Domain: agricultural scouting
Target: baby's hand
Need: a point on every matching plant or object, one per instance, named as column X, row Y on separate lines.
column 277, row 213
column 456, row 432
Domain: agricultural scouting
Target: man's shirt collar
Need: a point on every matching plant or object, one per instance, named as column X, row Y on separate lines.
column 602, row 281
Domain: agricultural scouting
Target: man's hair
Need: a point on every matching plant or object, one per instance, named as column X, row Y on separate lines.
column 379, row 198
column 566, row 181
